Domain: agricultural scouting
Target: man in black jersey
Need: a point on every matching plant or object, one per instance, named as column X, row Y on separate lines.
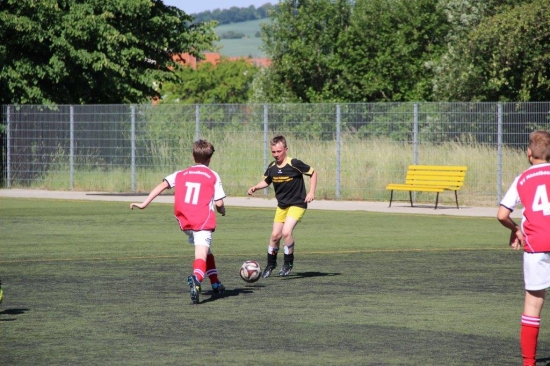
column 287, row 176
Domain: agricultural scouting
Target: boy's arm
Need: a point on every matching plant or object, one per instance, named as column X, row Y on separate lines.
column 312, row 185
column 220, row 207
column 262, row 184
column 516, row 236
column 154, row 193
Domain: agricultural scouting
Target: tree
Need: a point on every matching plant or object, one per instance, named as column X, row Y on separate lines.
column 353, row 51
column 505, row 57
column 302, row 41
column 92, row 51
column 228, row 82
column 385, row 50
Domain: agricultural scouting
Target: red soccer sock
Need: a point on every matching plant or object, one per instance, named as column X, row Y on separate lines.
column 199, row 268
column 211, row 270
column 529, row 335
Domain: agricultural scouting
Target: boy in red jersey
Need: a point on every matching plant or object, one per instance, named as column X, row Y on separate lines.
column 198, row 189
column 531, row 189
column 287, row 176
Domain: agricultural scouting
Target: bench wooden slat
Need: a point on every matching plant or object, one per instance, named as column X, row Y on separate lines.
column 438, row 167
column 431, row 178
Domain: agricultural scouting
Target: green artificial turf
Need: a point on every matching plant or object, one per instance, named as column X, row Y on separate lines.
column 95, row 283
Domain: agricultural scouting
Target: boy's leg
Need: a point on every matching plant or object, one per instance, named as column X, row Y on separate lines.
column 294, row 216
column 530, row 325
column 212, row 273
column 201, row 241
column 288, row 243
column 273, row 248
column 199, row 264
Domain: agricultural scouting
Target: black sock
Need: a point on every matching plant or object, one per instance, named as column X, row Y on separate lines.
column 271, row 258
column 289, row 259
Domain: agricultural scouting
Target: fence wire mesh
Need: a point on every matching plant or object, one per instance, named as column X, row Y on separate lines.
column 357, row 149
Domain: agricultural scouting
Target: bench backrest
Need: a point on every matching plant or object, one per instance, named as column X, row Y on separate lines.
column 450, row 177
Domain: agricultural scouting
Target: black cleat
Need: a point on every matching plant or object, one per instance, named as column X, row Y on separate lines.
column 268, row 269
column 285, row 270
column 195, row 287
column 218, row 288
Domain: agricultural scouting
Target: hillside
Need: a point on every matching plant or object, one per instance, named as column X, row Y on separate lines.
column 247, row 46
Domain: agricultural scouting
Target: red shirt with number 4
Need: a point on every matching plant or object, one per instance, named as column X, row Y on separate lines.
column 196, row 189
column 531, row 188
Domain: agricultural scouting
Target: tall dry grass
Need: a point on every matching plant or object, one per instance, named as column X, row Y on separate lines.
column 366, row 167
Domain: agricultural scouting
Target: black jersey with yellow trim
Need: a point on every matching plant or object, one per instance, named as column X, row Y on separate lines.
column 288, row 182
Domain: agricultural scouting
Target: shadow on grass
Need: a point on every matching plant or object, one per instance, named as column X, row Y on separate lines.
column 228, row 293
column 12, row 312
column 299, row 275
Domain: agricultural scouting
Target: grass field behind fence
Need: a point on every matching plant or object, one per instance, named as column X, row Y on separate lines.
column 366, row 167
column 95, row 283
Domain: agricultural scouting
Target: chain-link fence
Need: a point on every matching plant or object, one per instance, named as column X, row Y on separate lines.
column 356, row 148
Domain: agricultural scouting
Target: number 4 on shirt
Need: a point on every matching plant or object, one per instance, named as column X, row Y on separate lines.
column 540, row 202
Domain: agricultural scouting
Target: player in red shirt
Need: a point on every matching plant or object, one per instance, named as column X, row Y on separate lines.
column 531, row 188
column 198, row 190
column 287, row 176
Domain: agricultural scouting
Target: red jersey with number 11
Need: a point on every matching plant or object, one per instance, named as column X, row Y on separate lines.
column 196, row 189
column 532, row 188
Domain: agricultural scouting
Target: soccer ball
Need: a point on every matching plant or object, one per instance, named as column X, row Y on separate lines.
column 250, row 271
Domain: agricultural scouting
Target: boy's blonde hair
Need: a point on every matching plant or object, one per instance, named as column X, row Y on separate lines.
column 539, row 144
column 202, row 151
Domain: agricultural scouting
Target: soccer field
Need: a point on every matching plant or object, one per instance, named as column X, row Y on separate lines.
column 95, row 283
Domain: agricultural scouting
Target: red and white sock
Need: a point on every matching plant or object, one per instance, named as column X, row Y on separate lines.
column 211, row 270
column 529, row 335
column 199, row 268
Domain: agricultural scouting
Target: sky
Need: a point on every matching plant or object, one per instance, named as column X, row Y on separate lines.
column 196, row 6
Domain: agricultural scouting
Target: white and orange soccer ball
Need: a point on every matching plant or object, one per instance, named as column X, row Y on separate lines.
column 250, row 271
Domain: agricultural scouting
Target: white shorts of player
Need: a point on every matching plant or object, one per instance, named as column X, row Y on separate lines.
column 536, row 271
column 203, row 237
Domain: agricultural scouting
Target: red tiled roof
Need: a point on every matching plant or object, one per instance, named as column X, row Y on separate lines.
column 214, row 58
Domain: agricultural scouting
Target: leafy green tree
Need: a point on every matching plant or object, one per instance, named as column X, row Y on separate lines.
column 353, row 51
column 302, row 41
column 228, row 82
column 92, row 51
column 385, row 50
column 505, row 57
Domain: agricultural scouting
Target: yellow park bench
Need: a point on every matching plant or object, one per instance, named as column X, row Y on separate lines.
column 431, row 178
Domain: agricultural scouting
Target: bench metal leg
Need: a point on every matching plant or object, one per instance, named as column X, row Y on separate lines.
column 436, row 200
column 391, row 197
column 456, row 198
column 411, row 198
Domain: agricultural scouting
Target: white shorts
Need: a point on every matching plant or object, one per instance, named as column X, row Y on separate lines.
column 536, row 271
column 203, row 237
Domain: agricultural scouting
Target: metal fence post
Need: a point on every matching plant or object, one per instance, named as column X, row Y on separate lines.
column 133, row 147
column 197, row 122
column 266, row 143
column 71, row 144
column 415, row 134
column 499, row 151
column 338, row 151
column 8, row 147
column 415, row 140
